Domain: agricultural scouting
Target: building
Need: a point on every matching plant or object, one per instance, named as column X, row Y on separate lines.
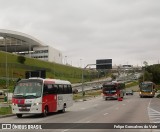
column 47, row 53
column 23, row 44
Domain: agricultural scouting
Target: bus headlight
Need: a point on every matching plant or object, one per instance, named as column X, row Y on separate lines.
column 37, row 103
column 14, row 104
column 151, row 93
column 140, row 92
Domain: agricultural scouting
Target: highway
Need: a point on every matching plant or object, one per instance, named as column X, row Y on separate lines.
column 132, row 109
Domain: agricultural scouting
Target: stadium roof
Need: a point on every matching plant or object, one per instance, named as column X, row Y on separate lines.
column 17, row 41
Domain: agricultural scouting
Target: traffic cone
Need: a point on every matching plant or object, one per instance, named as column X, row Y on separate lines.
column 120, row 99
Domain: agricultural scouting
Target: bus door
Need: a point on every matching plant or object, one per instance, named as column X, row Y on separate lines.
column 50, row 97
column 60, row 98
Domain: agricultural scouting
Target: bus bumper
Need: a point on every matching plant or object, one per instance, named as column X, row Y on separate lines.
column 34, row 109
column 110, row 97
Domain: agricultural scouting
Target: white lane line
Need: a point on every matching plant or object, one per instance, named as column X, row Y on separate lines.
column 106, row 114
column 83, row 108
column 88, row 121
column 65, row 130
column 117, row 108
column 153, row 114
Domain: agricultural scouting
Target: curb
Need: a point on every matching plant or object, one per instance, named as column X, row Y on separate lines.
column 9, row 115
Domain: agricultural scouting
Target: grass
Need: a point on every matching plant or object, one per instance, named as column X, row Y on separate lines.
column 53, row 70
column 88, row 94
column 5, row 110
column 131, row 84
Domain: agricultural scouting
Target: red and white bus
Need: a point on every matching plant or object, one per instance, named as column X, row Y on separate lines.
column 113, row 90
column 41, row 96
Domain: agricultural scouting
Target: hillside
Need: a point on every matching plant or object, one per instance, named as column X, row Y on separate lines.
column 54, row 70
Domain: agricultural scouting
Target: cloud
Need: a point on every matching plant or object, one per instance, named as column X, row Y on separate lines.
column 93, row 29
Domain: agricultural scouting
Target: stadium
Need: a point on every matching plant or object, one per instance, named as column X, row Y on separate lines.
column 28, row 46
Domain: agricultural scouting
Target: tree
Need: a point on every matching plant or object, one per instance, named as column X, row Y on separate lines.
column 146, row 77
column 113, row 76
column 145, row 63
column 21, row 59
column 155, row 70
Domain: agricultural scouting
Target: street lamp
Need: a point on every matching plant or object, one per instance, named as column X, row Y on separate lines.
column 6, row 67
column 80, row 63
column 66, row 59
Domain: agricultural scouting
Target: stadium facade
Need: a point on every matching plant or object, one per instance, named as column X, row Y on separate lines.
column 28, row 46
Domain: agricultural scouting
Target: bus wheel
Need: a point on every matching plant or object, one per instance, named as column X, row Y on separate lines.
column 45, row 112
column 63, row 110
column 19, row 115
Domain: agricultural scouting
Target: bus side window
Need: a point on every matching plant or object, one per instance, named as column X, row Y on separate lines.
column 45, row 89
column 50, row 88
column 55, row 89
column 65, row 90
column 60, row 89
column 69, row 89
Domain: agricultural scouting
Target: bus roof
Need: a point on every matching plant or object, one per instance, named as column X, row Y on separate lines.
column 56, row 81
column 112, row 83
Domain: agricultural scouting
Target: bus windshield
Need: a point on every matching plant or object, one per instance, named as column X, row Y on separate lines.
column 28, row 89
column 146, row 87
column 109, row 89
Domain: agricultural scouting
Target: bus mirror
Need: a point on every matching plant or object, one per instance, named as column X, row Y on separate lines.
column 45, row 93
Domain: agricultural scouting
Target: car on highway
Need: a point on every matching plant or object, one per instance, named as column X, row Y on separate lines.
column 75, row 91
column 97, row 87
column 129, row 92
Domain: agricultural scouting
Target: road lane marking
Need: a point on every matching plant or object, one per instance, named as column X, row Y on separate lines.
column 65, row 130
column 117, row 108
column 88, row 121
column 154, row 115
column 106, row 113
column 83, row 108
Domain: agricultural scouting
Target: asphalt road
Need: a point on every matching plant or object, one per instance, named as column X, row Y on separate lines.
column 132, row 109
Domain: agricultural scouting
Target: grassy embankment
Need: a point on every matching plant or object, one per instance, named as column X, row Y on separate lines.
column 53, row 70
column 5, row 110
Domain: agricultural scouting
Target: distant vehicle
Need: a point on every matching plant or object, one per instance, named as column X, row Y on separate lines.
column 97, row 87
column 2, row 94
column 129, row 92
column 147, row 89
column 75, row 91
column 41, row 96
column 113, row 90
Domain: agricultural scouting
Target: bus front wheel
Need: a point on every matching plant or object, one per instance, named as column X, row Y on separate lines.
column 45, row 112
column 19, row 115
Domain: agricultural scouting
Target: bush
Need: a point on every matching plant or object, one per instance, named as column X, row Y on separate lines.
column 158, row 96
column 21, row 59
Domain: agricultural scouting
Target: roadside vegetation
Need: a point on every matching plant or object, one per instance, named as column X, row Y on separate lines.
column 5, row 110
column 131, row 84
column 88, row 94
column 17, row 66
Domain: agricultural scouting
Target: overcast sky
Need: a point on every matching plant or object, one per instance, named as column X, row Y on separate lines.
column 127, row 31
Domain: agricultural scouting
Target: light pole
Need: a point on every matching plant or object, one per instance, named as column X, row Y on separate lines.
column 66, row 59
column 80, row 63
column 6, row 62
column 6, row 67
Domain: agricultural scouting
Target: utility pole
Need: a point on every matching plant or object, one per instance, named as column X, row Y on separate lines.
column 83, row 92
